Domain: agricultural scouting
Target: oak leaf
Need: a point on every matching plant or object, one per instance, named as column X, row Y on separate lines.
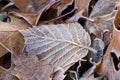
column 110, row 65
column 9, row 37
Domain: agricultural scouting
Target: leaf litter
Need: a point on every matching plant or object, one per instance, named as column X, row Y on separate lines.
column 59, row 40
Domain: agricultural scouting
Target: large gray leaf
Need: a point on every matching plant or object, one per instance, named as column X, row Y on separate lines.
column 60, row 45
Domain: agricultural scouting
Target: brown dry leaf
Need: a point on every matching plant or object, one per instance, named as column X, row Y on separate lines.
column 5, row 75
column 53, row 47
column 82, row 7
column 64, row 4
column 81, row 4
column 23, row 6
column 10, row 39
column 31, row 6
column 110, row 66
column 30, row 68
column 102, row 10
column 27, row 68
column 4, row 27
column 33, row 10
column 30, row 18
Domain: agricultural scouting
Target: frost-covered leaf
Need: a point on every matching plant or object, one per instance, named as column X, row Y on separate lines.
column 30, row 68
column 102, row 13
column 26, row 68
column 60, row 45
column 110, row 65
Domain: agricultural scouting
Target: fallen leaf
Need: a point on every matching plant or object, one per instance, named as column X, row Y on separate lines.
column 31, row 6
column 5, row 75
column 100, row 10
column 109, row 66
column 30, row 18
column 82, row 7
column 32, row 10
column 30, row 68
column 23, row 6
column 53, row 47
column 4, row 27
column 9, row 37
column 27, row 68
column 98, row 45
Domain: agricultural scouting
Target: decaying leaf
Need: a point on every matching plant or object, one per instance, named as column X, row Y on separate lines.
column 5, row 27
column 46, row 52
column 32, row 9
column 27, row 68
column 82, row 7
column 59, row 45
column 98, row 45
column 100, row 9
column 9, row 37
column 31, row 6
column 30, row 68
column 110, row 66
column 5, row 75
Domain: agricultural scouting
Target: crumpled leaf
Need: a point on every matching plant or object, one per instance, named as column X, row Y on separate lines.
column 9, row 38
column 5, row 75
column 101, row 8
column 27, row 68
column 30, row 68
column 98, row 45
column 110, row 66
column 31, row 6
column 59, row 45
column 32, row 9
column 82, row 7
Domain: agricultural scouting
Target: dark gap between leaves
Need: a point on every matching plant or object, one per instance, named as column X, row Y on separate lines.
column 7, row 19
column 15, row 78
column 86, row 65
column 91, row 5
column 104, row 78
column 118, row 28
column 72, row 68
column 5, row 61
column 82, row 21
column 106, row 47
column 4, row 2
column 92, row 36
column 68, row 9
column 115, row 60
column 97, row 75
column 49, row 14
